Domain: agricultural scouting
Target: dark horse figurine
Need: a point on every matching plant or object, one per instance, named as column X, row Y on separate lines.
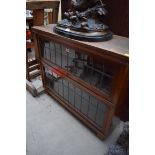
column 84, row 21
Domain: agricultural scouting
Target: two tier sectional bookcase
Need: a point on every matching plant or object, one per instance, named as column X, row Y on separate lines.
column 87, row 78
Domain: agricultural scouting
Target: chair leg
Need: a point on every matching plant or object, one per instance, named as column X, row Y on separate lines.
column 27, row 67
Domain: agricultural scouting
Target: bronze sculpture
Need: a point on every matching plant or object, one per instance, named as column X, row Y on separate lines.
column 85, row 21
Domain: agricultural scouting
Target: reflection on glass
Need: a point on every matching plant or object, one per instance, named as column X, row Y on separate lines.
column 84, row 66
column 79, row 99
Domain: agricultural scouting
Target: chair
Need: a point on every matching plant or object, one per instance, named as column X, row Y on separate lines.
column 40, row 15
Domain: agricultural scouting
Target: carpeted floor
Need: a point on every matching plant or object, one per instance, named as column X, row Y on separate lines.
column 51, row 130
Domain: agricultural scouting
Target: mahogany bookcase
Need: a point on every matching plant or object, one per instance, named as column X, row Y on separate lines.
column 88, row 78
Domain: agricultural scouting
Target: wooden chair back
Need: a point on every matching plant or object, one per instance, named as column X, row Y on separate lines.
column 38, row 7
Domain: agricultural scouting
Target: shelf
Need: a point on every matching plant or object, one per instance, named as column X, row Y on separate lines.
column 79, row 99
column 88, row 79
column 84, row 66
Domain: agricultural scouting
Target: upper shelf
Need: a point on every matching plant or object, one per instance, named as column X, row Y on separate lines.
column 118, row 45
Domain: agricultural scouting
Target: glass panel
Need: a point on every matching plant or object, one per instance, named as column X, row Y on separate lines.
column 84, row 106
column 58, row 54
column 71, row 93
column 71, row 56
column 87, row 104
column 77, row 64
column 56, row 86
column 100, row 113
column 52, row 50
column 64, row 57
column 94, row 71
column 92, row 108
column 60, row 87
column 47, row 51
column 78, row 98
column 65, row 86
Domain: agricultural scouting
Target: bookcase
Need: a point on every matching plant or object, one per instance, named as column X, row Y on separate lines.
column 87, row 78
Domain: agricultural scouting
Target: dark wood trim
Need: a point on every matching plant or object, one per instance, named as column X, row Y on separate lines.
column 35, row 74
column 118, row 58
column 38, row 17
column 34, row 5
column 32, row 68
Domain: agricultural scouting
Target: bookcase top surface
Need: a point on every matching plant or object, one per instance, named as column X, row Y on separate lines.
column 118, row 44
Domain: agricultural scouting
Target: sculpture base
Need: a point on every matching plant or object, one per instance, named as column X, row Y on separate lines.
column 84, row 36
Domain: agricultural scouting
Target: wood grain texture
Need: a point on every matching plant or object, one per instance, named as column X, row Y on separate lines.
column 38, row 7
column 118, row 16
column 115, row 52
column 41, row 4
column 38, row 17
column 118, row 46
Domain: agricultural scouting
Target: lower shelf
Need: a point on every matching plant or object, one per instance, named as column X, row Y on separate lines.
column 89, row 109
column 76, row 113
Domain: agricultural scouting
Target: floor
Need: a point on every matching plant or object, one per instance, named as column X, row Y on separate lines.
column 51, row 130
